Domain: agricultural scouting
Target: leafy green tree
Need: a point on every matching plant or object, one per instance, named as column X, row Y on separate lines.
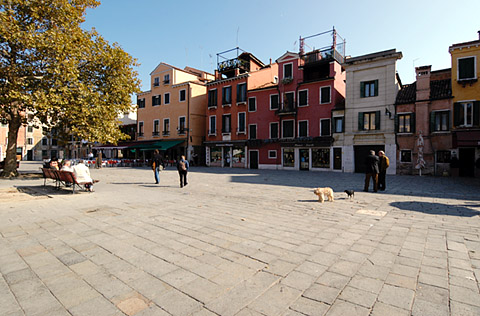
column 60, row 75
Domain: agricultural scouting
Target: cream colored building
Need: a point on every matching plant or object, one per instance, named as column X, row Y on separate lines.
column 171, row 115
column 371, row 88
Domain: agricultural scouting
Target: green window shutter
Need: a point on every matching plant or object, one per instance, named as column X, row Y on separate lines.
column 396, row 123
column 377, row 120
column 457, row 120
column 449, row 125
column 376, row 87
column 432, row 122
column 360, row 121
column 362, row 89
column 412, row 122
column 476, row 113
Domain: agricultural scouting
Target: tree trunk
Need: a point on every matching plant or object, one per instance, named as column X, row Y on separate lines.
column 10, row 163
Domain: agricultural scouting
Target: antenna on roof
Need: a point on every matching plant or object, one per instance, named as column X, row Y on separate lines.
column 238, row 30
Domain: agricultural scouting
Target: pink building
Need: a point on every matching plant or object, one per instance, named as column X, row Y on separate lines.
column 293, row 116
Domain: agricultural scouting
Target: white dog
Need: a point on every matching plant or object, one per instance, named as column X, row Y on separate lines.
column 324, row 193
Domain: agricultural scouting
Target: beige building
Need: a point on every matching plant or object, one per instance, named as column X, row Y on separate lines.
column 371, row 88
column 171, row 115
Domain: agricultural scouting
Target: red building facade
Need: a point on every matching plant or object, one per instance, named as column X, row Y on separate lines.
column 293, row 117
column 227, row 110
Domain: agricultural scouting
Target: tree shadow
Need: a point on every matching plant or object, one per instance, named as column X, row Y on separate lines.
column 436, row 208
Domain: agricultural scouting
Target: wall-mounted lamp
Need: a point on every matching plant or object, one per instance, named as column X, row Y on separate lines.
column 388, row 113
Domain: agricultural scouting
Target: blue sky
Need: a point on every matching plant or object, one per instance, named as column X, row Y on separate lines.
column 191, row 33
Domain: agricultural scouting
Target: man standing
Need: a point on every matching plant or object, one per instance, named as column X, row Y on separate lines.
column 182, row 167
column 383, row 165
column 157, row 165
column 371, row 164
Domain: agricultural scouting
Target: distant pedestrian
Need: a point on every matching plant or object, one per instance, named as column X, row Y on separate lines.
column 383, row 165
column 157, row 165
column 182, row 167
column 371, row 165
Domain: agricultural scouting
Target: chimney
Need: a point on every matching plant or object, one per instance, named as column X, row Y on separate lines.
column 478, row 35
column 423, row 82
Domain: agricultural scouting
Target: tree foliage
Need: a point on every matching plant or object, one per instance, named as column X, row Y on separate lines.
column 60, row 74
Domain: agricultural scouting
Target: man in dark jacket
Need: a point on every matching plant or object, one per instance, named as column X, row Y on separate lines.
column 157, row 165
column 182, row 167
column 371, row 164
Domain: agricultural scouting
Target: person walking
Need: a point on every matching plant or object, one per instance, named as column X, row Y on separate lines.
column 157, row 165
column 383, row 165
column 371, row 164
column 182, row 167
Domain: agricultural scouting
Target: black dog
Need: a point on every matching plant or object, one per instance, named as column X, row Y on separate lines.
column 350, row 193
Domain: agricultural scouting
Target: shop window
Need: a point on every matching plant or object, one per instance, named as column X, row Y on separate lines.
column 405, row 156
column 288, row 157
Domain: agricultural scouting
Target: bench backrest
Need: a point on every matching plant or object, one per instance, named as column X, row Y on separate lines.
column 66, row 176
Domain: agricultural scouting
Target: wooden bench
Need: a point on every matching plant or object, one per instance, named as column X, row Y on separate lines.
column 64, row 178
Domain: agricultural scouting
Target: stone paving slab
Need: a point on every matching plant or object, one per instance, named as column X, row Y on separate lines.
column 239, row 242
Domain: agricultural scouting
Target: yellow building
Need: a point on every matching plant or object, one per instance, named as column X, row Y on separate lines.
column 171, row 115
column 466, row 107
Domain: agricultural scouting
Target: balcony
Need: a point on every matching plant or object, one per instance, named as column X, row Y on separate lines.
column 140, row 134
column 165, row 133
column 156, row 133
column 289, row 110
column 182, row 131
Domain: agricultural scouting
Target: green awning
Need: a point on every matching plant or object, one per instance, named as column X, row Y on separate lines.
column 160, row 145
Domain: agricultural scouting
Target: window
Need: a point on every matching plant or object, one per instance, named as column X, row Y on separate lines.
column 252, row 104
column 54, row 142
column 141, row 103
column 181, row 125
column 30, row 129
column 156, row 100
column 272, row 154
column 325, row 95
column 287, row 129
column 241, row 123
column 166, row 79
column 404, row 124
column 466, row 68
column 338, row 124
column 29, row 141
column 369, row 89
column 140, row 128
column 440, row 121
column 325, row 127
column 303, row 129
column 226, row 95
column 287, row 71
column 213, row 125
column 156, row 82
column 156, row 128
column 288, row 157
column 44, row 141
column 273, row 130
column 289, row 100
column 252, row 131
column 166, row 127
column 321, row 158
column 212, row 98
column 369, row 121
column 44, row 154
column 466, row 114
column 303, row 98
column 443, row 156
column 405, row 156
column 167, row 98
column 183, row 95
column 226, row 123
column 274, row 102
column 241, row 92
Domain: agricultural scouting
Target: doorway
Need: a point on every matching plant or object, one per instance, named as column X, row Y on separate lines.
column 253, row 159
column 337, row 158
column 304, row 159
column 361, row 153
column 467, row 162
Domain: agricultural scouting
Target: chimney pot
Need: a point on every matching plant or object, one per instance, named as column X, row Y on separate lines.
column 478, row 35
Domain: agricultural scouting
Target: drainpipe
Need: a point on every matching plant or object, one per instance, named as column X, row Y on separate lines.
column 187, row 152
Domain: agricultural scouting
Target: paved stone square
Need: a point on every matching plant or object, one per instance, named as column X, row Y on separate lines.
column 239, row 242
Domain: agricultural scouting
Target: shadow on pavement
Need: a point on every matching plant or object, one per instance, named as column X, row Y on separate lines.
column 436, row 208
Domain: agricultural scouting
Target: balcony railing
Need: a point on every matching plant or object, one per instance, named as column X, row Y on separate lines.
column 233, row 63
column 155, row 133
column 286, row 111
column 166, row 133
column 182, row 131
column 140, row 134
column 319, row 55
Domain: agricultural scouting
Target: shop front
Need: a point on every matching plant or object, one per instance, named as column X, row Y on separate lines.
column 227, row 155
column 313, row 154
